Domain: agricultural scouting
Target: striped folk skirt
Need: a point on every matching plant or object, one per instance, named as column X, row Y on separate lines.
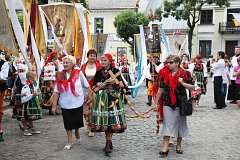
column 108, row 114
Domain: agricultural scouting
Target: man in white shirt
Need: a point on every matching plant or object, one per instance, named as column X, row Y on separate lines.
column 232, row 92
column 218, row 68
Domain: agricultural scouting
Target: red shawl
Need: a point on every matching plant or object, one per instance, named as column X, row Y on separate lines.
column 98, row 67
column 62, row 81
column 167, row 77
column 198, row 65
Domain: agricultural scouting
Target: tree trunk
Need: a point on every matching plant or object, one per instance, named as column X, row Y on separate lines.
column 190, row 35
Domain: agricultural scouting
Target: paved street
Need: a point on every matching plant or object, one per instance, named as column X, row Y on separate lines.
column 214, row 134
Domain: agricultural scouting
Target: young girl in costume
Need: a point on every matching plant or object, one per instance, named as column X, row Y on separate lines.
column 31, row 110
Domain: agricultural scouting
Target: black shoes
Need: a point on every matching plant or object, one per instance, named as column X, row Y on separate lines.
column 164, row 154
column 179, row 151
column 217, row 108
column 149, row 103
column 107, row 149
column 233, row 102
column 220, row 107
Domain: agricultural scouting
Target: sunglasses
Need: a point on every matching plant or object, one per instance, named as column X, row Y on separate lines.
column 170, row 62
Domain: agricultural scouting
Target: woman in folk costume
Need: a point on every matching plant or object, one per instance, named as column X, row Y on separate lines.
column 173, row 82
column 31, row 111
column 68, row 92
column 50, row 69
column 198, row 73
column 4, row 69
column 108, row 110
column 89, row 69
column 127, row 72
column 20, row 81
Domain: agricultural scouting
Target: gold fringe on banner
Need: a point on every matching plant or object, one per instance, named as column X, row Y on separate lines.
column 78, row 36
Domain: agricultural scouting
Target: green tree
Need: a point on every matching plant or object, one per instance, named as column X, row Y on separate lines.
column 189, row 10
column 20, row 19
column 127, row 24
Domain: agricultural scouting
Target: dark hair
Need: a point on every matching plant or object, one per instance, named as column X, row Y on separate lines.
column 91, row 51
column 222, row 54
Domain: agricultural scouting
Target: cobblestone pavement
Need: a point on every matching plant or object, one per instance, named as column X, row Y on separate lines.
column 214, row 134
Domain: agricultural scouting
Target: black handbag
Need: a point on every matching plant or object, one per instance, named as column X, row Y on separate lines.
column 186, row 107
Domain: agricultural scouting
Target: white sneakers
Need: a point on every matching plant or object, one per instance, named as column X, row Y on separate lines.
column 32, row 131
column 27, row 133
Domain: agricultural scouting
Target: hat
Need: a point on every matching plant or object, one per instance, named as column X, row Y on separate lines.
column 109, row 57
column 198, row 56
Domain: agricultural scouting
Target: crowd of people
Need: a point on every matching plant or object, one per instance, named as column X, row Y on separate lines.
column 94, row 91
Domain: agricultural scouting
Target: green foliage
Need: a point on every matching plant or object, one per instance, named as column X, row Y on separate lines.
column 189, row 10
column 20, row 19
column 127, row 24
column 158, row 13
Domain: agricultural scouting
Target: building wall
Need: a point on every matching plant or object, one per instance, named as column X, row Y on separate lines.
column 108, row 28
column 211, row 31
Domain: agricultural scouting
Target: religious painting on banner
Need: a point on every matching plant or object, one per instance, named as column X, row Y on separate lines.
column 99, row 43
column 121, row 52
column 152, row 39
column 7, row 42
column 62, row 18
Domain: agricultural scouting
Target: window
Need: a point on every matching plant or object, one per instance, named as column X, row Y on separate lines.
column 205, row 48
column 230, row 16
column 206, row 16
column 98, row 25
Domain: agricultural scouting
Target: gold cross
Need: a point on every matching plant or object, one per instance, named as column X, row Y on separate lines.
column 113, row 76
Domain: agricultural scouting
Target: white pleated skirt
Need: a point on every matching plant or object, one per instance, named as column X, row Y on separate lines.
column 174, row 124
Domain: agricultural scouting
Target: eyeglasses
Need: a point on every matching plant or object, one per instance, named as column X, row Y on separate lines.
column 170, row 62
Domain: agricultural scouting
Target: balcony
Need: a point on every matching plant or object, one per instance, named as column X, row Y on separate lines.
column 228, row 27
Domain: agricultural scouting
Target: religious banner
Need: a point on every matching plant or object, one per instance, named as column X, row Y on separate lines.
column 7, row 42
column 152, row 39
column 99, row 42
column 28, row 5
column 36, row 26
column 62, row 18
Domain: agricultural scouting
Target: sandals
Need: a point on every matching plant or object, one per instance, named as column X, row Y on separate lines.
column 179, row 151
column 67, row 147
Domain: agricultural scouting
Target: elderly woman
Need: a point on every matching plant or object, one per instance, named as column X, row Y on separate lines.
column 173, row 81
column 108, row 111
column 68, row 92
column 89, row 69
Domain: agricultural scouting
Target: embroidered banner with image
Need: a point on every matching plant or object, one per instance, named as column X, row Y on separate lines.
column 7, row 42
column 62, row 18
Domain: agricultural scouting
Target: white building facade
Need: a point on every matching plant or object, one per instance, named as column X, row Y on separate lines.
column 216, row 30
column 101, row 17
